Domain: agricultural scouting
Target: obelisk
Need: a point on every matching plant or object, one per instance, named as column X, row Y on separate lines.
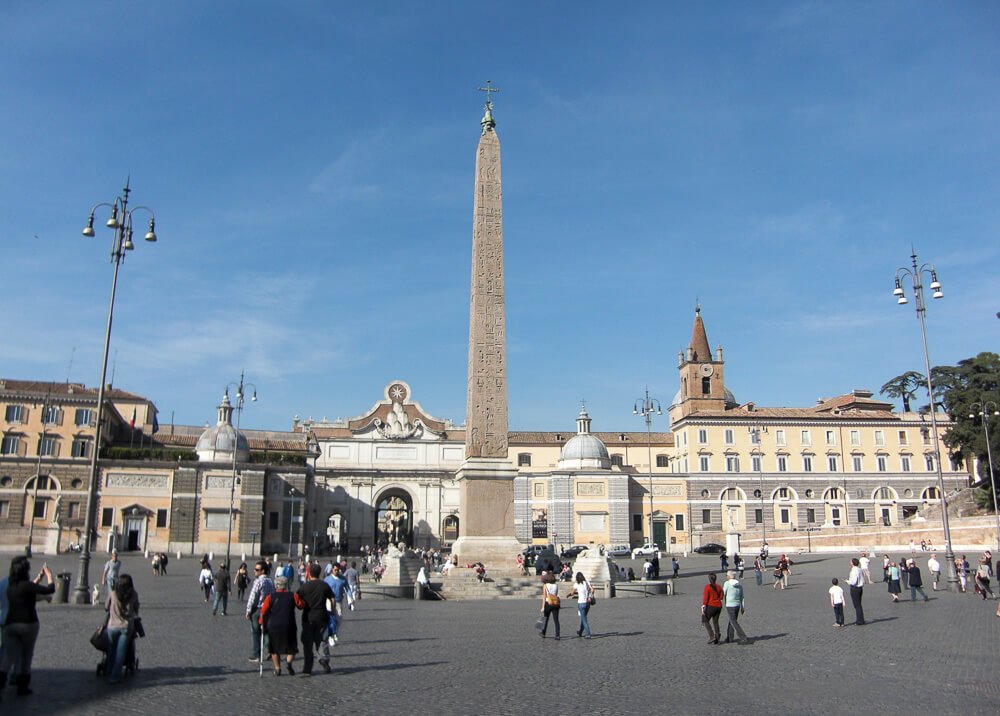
column 486, row 478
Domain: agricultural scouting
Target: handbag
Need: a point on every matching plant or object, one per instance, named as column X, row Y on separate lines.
column 591, row 599
column 99, row 639
column 540, row 623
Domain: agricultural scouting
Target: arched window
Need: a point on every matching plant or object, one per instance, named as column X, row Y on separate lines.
column 733, row 494
column 931, row 493
column 833, row 493
column 885, row 493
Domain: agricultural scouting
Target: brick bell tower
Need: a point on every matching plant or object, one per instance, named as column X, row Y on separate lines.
column 702, row 384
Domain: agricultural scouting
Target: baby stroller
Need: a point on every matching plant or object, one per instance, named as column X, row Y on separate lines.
column 101, row 643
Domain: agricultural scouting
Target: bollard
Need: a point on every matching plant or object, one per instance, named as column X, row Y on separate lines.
column 243, row 557
column 418, row 591
column 609, row 590
column 146, row 554
column 211, row 556
column 62, row 587
column 178, row 554
column 670, row 587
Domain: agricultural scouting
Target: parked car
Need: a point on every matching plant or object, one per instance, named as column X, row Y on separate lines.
column 646, row 550
column 573, row 552
column 618, row 550
column 710, row 548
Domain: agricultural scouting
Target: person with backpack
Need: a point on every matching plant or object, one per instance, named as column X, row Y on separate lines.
column 732, row 592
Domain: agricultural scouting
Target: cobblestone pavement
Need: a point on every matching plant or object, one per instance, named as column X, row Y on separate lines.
column 485, row 657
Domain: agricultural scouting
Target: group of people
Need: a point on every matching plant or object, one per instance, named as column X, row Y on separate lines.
column 582, row 591
column 271, row 607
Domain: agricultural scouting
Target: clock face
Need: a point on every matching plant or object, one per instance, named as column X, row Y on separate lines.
column 706, row 369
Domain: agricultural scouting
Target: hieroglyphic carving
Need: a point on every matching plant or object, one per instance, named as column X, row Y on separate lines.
column 486, row 433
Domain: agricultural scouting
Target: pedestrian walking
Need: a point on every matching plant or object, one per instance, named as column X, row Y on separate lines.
column 550, row 602
column 856, row 582
column 353, row 585
column 112, row 568
column 312, row 598
column 934, row 567
column 711, row 608
column 277, row 615
column 20, row 629
column 885, row 567
column 758, row 570
column 865, row 563
column 122, row 606
column 241, row 580
column 676, row 566
column 738, row 564
column 655, row 562
column 903, row 574
column 338, row 585
column 262, row 588
column 733, row 598
column 894, row 588
column 220, row 584
column 584, row 594
column 837, row 602
column 206, row 580
column 962, row 568
column 983, row 579
column 916, row 581
column 723, row 562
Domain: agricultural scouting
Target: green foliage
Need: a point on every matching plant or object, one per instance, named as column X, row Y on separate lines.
column 278, row 458
column 903, row 387
column 124, row 453
column 968, row 389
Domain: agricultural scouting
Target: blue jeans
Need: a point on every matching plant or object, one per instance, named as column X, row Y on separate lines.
column 118, row 643
column 220, row 598
column 913, row 593
column 582, row 610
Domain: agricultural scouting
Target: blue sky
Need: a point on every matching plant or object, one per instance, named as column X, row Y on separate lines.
column 311, row 167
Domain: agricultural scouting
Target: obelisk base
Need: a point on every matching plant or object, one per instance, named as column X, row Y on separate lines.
column 486, row 505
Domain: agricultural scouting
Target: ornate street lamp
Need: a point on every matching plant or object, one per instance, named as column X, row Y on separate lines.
column 646, row 407
column 120, row 223
column 915, row 275
column 38, row 474
column 985, row 408
column 755, row 432
column 240, row 399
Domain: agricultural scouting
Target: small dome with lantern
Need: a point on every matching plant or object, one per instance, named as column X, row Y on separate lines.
column 216, row 443
column 584, row 450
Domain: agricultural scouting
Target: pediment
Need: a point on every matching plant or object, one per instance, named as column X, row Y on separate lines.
column 397, row 417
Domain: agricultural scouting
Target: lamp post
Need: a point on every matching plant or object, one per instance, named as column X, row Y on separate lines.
column 120, row 223
column 915, row 274
column 646, row 407
column 240, row 399
column 984, row 408
column 755, row 432
column 38, row 476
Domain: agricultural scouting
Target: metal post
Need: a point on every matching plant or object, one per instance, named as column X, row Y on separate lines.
column 240, row 400
column 38, row 479
column 646, row 407
column 122, row 242
column 918, row 292
column 984, row 413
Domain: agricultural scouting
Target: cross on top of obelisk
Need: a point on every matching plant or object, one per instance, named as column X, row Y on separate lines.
column 488, row 123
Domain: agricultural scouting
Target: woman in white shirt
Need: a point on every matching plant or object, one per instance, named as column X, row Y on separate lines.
column 550, row 602
column 583, row 592
column 205, row 580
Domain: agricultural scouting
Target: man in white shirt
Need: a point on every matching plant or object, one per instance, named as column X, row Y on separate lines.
column 934, row 567
column 837, row 602
column 856, row 581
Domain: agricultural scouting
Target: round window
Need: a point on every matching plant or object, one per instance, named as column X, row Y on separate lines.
column 809, row 493
column 756, row 493
column 907, row 492
column 6, row 481
column 704, row 493
column 77, row 483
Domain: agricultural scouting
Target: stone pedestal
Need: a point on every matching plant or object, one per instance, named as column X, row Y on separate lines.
column 597, row 568
column 732, row 543
column 486, row 506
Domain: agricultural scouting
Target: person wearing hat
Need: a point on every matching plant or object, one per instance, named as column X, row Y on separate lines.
column 277, row 617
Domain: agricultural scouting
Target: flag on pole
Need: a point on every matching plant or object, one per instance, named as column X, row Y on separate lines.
column 131, row 423
column 156, row 425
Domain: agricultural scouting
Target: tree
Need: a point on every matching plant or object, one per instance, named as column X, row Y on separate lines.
column 904, row 387
column 972, row 381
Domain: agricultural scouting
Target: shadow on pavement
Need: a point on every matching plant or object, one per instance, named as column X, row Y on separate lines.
column 766, row 637
column 611, row 634
column 388, row 667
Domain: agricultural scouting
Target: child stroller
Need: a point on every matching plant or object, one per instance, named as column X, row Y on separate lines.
column 101, row 643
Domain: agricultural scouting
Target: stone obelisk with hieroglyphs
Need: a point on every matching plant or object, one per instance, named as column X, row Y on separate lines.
column 486, row 478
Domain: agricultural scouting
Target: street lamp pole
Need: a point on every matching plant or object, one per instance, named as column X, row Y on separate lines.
column 984, row 408
column 756, row 431
column 915, row 275
column 38, row 476
column 240, row 399
column 121, row 223
column 646, row 407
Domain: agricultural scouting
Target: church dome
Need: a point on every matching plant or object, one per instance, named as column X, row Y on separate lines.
column 216, row 443
column 584, row 450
